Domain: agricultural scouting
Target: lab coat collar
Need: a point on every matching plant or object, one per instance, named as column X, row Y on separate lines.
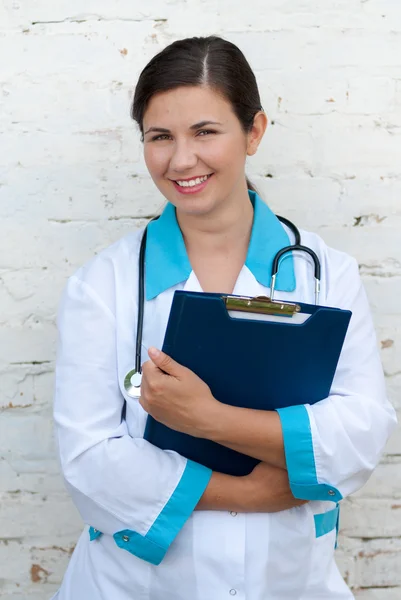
column 167, row 262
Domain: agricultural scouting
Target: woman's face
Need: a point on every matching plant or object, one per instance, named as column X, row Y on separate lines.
column 195, row 148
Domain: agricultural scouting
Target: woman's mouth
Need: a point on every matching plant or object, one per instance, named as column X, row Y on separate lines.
column 192, row 186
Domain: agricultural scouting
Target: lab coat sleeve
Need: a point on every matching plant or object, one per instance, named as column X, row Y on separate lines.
column 332, row 447
column 122, row 486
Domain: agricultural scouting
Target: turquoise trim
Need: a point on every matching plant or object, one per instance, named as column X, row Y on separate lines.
column 94, row 534
column 139, row 546
column 181, row 504
column 326, row 522
column 166, row 259
column 300, row 458
column 267, row 238
column 153, row 546
column 167, row 262
column 317, row 491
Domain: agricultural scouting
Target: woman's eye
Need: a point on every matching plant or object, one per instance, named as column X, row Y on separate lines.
column 162, row 136
column 204, row 132
column 166, row 136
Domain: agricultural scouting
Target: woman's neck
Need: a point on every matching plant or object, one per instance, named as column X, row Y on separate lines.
column 226, row 229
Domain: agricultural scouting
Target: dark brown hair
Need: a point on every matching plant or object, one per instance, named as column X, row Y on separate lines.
column 210, row 61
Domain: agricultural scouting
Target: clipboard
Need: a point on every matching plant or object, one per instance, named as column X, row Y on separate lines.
column 253, row 353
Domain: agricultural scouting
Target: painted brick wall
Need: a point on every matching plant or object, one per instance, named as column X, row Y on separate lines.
column 72, row 181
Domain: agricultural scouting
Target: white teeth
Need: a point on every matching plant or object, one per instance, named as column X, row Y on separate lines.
column 192, row 182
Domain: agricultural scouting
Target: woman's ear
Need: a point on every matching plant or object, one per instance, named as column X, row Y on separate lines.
column 256, row 133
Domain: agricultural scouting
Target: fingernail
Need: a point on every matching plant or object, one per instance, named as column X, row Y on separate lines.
column 154, row 352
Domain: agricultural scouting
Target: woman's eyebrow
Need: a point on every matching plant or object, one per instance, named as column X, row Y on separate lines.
column 159, row 129
column 195, row 126
column 203, row 124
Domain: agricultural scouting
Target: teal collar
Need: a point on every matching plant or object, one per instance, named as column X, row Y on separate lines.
column 167, row 262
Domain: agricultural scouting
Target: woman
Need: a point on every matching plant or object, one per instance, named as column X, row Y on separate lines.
column 160, row 527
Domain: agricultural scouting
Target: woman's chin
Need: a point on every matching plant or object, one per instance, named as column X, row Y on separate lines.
column 194, row 206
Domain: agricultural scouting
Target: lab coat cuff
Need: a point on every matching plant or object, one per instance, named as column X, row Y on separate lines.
column 300, row 457
column 153, row 546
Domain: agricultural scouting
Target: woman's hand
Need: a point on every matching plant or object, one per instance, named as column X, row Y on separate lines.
column 267, row 489
column 175, row 396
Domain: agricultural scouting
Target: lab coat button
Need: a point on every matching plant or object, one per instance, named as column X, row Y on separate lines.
column 332, row 493
column 233, row 592
column 125, row 538
column 233, row 513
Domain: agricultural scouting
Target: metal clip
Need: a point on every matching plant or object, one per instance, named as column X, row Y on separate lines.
column 262, row 305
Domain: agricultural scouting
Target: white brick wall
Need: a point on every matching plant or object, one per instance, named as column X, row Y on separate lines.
column 72, row 181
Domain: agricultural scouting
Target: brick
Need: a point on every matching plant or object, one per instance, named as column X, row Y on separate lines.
column 340, row 14
column 74, row 51
column 37, row 478
column 61, row 244
column 378, row 563
column 370, row 518
column 359, row 203
column 392, row 593
column 370, row 95
column 27, row 346
column 23, row 12
column 372, row 247
column 34, row 432
column 55, row 516
column 46, row 591
column 100, row 192
column 29, row 149
column 14, row 565
column 383, row 289
column 25, row 386
column 364, row 49
column 31, row 566
column 334, row 145
column 316, row 91
column 385, row 481
column 346, row 566
column 391, row 354
column 29, row 294
column 67, row 107
column 345, row 556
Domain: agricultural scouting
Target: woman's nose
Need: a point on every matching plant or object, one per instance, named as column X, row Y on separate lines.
column 183, row 157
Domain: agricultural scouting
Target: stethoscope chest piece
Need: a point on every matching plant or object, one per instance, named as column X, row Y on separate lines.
column 132, row 383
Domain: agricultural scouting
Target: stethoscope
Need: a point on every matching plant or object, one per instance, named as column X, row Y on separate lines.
column 132, row 381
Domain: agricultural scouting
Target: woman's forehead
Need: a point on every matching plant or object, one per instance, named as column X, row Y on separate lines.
column 187, row 105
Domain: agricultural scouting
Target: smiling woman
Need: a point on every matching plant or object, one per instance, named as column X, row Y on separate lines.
column 193, row 156
column 213, row 64
column 159, row 526
column 199, row 120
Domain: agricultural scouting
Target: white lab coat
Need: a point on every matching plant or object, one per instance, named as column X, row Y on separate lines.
column 143, row 539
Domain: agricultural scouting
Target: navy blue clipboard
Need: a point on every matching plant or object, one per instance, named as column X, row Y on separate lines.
column 248, row 363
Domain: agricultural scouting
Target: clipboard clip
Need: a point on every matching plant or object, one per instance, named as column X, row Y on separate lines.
column 262, row 305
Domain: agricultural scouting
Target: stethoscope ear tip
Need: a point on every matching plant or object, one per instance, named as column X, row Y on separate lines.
column 132, row 383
